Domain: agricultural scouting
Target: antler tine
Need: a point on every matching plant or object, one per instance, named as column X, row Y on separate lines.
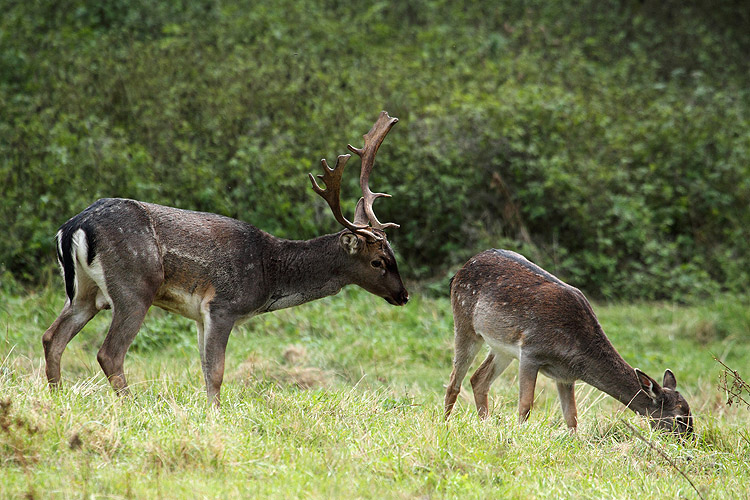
column 373, row 140
column 332, row 193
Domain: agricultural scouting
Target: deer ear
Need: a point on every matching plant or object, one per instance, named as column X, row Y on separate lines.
column 648, row 385
column 669, row 381
column 350, row 242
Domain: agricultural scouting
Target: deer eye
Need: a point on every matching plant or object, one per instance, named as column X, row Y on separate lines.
column 376, row 263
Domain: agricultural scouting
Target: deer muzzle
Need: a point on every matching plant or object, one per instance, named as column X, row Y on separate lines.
column 400, row 299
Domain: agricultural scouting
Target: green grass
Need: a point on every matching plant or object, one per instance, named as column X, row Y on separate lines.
column 342, row 398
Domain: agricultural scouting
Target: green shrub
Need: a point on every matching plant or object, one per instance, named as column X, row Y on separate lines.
column 607, row 140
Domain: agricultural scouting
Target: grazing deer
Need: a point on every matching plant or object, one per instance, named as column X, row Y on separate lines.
column 128, row 255
column 524, row 312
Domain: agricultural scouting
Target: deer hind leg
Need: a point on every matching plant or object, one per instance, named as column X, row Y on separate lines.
column 129, row 274
column 130, row 301
column 73, row 317
column 566, row 392
column 126, row 321
column 215, row 330
column 527, row 373
column 467, row 345
column 71, row 320
column 493, row 365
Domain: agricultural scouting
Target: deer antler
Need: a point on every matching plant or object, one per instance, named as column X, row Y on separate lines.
column 332, row 179
column 373, row 139
column 332, row 193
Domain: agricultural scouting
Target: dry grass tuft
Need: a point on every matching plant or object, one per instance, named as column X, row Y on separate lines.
column 295, row 371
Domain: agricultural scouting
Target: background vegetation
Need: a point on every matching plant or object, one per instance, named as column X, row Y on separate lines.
column 607, row 140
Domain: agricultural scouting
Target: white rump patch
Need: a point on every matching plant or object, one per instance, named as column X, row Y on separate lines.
column 95, row 271
column 80, row 247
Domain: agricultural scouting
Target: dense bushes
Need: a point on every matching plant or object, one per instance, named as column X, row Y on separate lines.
column 608, row 141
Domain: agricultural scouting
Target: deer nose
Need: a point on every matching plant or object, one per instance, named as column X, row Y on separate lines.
column 398, row 299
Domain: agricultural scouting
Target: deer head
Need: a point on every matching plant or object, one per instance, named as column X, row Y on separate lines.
column 668, row 410
column 372, row 264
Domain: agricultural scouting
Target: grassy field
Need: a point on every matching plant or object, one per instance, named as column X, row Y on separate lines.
column 342, row 398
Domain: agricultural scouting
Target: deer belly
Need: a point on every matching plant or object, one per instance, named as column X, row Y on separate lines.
column 183, row 302
column 504, row 346
column 558, row 372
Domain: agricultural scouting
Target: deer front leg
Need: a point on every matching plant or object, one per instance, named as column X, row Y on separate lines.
column 216, row 330
column 566, row 392
column 527, row 372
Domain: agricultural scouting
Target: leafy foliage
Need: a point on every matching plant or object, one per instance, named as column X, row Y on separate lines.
column 607, row 140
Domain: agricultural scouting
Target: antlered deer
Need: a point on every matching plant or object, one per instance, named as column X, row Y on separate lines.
column 128, row 255
column 524, row 312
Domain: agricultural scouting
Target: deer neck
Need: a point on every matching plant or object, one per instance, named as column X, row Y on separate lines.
column 610, row 373
column 302, row 271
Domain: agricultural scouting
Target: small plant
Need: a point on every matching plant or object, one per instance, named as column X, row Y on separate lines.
column 732, row 384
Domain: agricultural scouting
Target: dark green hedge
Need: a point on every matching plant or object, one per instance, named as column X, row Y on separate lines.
column 609, row 141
